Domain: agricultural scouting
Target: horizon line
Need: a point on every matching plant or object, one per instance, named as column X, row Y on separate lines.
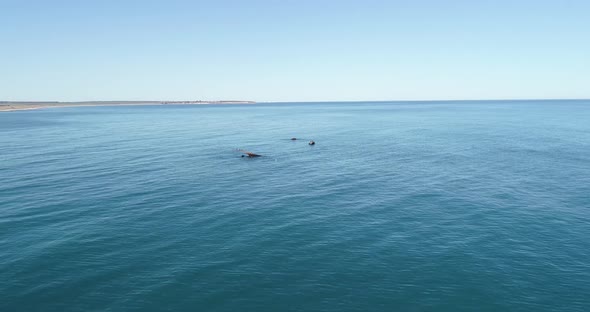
column 296, row 101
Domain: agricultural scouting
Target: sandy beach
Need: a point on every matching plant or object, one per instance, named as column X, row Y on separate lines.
column 19, row 106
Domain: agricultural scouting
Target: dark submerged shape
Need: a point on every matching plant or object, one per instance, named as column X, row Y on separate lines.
column 248, row 154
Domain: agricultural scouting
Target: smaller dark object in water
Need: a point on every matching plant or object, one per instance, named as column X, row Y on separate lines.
column 311, row 142
column 293, row 139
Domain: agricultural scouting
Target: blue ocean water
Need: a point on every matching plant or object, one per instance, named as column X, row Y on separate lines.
column 401, row 206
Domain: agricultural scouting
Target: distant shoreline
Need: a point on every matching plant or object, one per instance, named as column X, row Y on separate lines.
column 20, row 106
column 7, row 106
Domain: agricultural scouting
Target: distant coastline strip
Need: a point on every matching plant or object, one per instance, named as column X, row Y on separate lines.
column 18, row 106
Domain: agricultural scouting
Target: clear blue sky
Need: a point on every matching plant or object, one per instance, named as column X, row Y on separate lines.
column 304, row 50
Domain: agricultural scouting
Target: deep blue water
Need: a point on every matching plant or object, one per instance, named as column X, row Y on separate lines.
column 425, row 206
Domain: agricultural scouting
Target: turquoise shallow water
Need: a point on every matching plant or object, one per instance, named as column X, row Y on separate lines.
column 425, row 206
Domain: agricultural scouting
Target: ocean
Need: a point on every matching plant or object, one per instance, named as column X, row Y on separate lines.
column 400, row 206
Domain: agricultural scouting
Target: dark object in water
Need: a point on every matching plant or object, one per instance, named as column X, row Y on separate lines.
column 311, row 142
column 293, row 139
column 248, row 154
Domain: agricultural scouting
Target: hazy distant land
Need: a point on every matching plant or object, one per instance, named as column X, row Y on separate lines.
column 15, row 106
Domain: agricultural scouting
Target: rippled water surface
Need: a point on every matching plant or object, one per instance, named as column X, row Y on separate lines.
column 425, row 206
